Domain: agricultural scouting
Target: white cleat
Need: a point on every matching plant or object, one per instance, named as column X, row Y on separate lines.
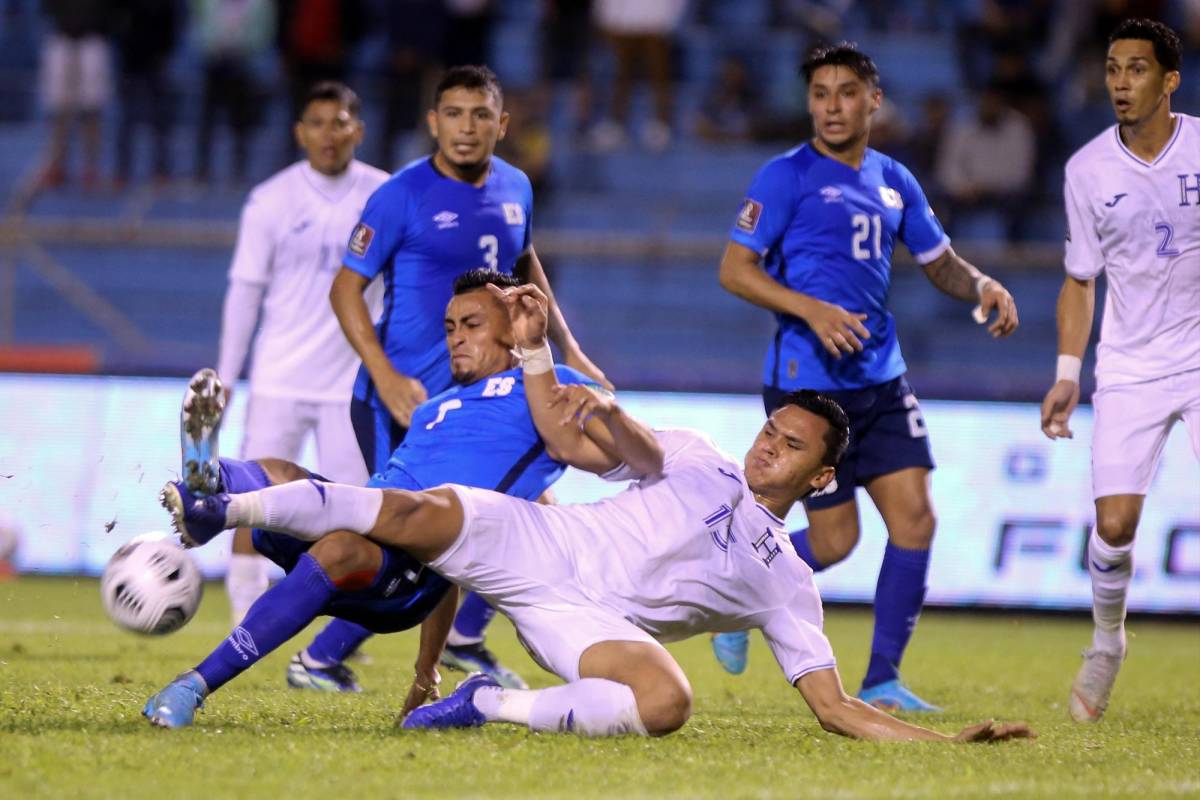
column 1093, row 685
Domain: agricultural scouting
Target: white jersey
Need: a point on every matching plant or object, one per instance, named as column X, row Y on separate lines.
column 692, row 552
column 291, row 240
column 1140, row 223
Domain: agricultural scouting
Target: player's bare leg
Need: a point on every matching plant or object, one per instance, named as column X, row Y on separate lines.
column 1110, row 564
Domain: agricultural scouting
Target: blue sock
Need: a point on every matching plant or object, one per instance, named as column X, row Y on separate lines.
column 242, row 476
column 899, row 594
column 800, row 542
column 277, row 616
column 473, row 616
column 336, row 640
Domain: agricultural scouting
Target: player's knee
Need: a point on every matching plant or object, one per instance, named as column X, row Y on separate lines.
column 914, row 531
column 1115, row 527
column 666, row 708
column 343, row 554
column 281, row 471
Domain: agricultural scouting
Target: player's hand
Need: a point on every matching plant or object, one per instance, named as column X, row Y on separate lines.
column 995, row 297
column 839, row 331
column 424, row 689
column 1057, row 406
column 400, row 395
column 990, row 731
column 577, row 360
column 527, row 308
column 579, row 403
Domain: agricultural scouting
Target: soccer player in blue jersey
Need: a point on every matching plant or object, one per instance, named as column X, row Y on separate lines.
column 813, row 243
column 478, row 432
column 440, row 216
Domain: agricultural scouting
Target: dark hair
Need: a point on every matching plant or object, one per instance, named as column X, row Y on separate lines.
column 842, row 54
column 1167, row 48
column 837, row 437
column 479, row 278
column 335, row 91
column 469, row 76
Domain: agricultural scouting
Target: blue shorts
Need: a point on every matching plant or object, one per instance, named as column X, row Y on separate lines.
column 887, row 434
column 403, row 593
column 377, row 433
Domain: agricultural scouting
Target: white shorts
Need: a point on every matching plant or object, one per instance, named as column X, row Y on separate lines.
column 277, row 426
column 1132, row 422
column 76, row 73
column 509, row 554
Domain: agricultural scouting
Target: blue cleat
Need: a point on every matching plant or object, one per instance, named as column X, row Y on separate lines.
column 475, row 657
column 892, row 696
column 199, row 432
column 175, row 705
column 195, row 518
column 332, row 678
column 731, row 650
column 456, row 711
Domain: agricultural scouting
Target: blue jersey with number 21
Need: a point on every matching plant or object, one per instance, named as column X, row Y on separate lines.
column 828, row 230
column 421, row 230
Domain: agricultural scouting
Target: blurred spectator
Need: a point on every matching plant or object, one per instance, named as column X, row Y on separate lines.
column 529, row 143
column 414, row 30
column 731, row 106
column 147, row 32
column 566, row 44
column 316, row 38
column 818, row 20
column 639, row 35
column 986, row 163
column 231, row 34
column 1000, row 26
column 927, row 140
column 76, row 83
column 469, row 32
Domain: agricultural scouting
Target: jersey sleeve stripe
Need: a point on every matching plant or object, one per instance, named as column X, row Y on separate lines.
column 933, row 253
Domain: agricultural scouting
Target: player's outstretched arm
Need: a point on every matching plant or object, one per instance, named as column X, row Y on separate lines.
column 954, row 276
column 400, row 393
column 848, row 716
column 434, row 632
column 529, row 268
column 1076, row 305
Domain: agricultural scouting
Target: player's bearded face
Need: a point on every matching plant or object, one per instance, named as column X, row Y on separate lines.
column 785, row 459
column 478, row 336
column 1137, row 84
column 841, row 104
column 328, row 134
column 467, row 125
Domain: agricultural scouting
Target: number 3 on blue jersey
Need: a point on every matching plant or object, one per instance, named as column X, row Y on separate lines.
column 490, row 246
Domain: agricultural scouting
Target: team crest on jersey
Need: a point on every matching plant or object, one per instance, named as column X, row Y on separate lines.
column 831, row 194
column 446, row 219
column 747, row 218
column 360, row 239
column 513, row 213
column 891, row 198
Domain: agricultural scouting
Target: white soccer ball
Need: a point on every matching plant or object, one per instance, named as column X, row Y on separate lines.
column 151, row 585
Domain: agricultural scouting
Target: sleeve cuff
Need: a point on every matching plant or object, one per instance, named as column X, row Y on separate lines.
column 932, row 254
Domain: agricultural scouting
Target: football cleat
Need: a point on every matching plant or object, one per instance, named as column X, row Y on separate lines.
column 199, row 432
column 1093, row 685
column 196, row 519
column 456, row 711
column 175, row 705
column 892, row 696
column 475, row 657
column 731, row 650
column 332, row 678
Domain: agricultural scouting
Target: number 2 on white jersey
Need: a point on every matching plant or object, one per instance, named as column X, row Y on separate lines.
column 490, row 246
column 863, row 227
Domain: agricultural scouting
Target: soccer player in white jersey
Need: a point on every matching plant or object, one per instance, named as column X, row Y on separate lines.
column 697, row 543
column 1133, row 212
column 293, row 232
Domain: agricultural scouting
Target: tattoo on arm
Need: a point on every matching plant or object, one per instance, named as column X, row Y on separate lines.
column 954, row 276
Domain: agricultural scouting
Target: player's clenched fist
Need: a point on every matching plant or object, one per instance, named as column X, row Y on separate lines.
column 1057, row 406
column 401, row 394
column 527, row 307
column 579, row 403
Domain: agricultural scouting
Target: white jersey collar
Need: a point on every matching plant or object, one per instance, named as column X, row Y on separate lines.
column 332, row 187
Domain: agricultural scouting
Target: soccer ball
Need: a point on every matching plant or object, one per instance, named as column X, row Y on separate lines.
column 151, row 585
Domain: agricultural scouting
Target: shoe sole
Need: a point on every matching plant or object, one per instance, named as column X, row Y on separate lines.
column 199, row 432
column 170, row 499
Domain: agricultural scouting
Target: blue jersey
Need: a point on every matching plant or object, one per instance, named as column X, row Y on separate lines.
column 828, row 230
column 421, row 230
column 479, row 435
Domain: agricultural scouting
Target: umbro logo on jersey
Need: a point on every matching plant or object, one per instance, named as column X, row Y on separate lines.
column 446, row 219
column 891, row 198
column 1116, row 199
column 747, row 218
column 831, row 194
column 513, row 213
column 360, row 239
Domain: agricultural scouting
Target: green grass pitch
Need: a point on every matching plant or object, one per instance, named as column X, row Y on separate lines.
column 72, row 686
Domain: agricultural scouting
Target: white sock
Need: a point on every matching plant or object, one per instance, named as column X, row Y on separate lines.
column 588, row 707
column 1111, row 569
column 245, row 582
column 307, row 509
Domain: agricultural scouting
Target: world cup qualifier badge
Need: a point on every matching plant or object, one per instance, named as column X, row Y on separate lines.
column 747, row 218
column 360, row 240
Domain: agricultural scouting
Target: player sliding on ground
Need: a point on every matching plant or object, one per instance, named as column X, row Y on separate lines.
column 695, row 544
